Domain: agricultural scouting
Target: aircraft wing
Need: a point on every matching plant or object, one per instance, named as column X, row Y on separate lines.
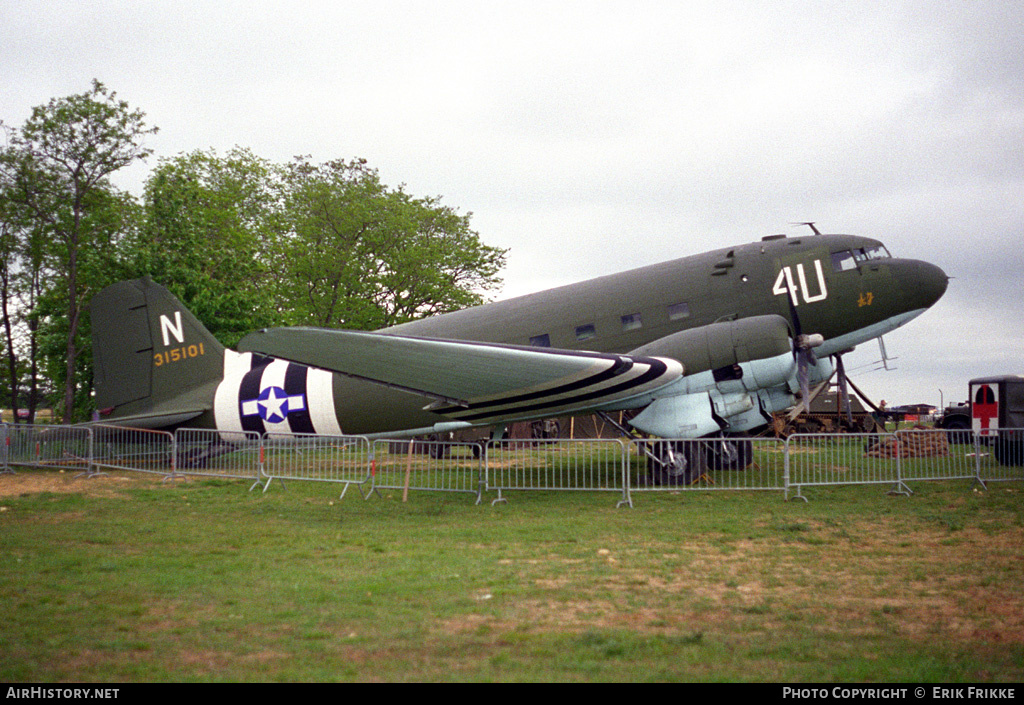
column 471, row 381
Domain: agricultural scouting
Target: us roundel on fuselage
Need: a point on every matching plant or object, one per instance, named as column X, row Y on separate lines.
column 278, row 397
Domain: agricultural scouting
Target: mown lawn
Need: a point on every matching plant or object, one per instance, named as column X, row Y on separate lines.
column 126, row 578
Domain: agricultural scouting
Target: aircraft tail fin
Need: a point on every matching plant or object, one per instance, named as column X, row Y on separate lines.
column 155, row 364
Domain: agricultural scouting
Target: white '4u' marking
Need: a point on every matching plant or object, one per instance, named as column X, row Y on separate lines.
column 784, row 284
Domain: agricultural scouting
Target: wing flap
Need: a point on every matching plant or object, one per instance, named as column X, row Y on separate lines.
column 471, row 381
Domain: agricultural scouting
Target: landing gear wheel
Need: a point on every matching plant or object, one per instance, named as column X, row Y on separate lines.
column 677, row 463
column 730, row 452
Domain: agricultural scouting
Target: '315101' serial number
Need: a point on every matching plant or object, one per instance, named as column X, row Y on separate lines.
column 177, row 354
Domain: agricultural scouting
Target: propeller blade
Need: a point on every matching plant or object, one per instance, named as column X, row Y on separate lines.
column 803, row 361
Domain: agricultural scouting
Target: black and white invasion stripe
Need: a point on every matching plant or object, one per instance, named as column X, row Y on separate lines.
column 264, row 395
column 611, row 377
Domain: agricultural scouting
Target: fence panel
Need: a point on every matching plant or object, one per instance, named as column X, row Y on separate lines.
column 842, row 459
column 313, row 458
column 726, row 463
column 5, row 451
column 931, row 454
column 435, row 466
column 45, row 446
column 595, row 465
column 1001, row 455
column 209, row 453
column 141, row 450
column 606, row 465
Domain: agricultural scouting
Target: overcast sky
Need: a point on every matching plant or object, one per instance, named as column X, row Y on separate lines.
column 591, row 137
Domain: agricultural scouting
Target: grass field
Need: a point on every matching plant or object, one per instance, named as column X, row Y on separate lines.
column 125, row 578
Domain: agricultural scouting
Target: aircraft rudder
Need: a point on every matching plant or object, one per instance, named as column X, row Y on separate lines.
column 149, row 349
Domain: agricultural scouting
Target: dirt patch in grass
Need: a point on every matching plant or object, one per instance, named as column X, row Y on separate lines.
column 69, row 482
column 923, row 584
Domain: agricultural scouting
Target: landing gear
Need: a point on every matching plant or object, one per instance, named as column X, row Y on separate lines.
column 677, row 463
column 730, row 452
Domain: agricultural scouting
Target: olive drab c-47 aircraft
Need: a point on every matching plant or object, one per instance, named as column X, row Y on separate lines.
column 702, row 346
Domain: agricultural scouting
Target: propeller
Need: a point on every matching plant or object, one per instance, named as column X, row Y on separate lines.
column 803, row 350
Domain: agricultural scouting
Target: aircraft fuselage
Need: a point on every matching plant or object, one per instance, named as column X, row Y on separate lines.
column 783, row 276
column 844, row 287
column 711, row 313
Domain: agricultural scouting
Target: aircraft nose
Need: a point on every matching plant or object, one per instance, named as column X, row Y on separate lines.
column 924, row 282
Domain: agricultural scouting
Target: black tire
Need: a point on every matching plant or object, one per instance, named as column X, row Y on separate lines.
column 958, row 432
column 730, row 452
column 439, row 448
column 677, row 463
column 1009, row 452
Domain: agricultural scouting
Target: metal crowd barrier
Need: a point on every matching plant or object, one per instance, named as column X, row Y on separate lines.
column 208, row 453
column 931, row 454
column 46, row 446
column 438, row 466
column 141, row 450
column 312, row 458
column 602, row 465
column 818, row 459
column 904, row 456
column 563, row 465
column 727, row 463
column 5, row 448
column 1000, row 455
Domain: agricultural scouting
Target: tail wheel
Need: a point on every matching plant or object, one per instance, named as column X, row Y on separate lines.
column 677, row 463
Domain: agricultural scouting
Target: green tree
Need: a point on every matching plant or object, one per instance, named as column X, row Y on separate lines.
column 22, row 274
column 62, row 158
column 207, row 223
column 8, row 269
column 356, row 254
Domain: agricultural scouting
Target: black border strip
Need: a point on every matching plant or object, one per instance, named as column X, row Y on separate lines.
column 658, row 368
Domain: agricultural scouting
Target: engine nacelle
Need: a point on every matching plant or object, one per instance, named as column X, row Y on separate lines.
column 736, row 373
column 678, row 416
column 732, row 356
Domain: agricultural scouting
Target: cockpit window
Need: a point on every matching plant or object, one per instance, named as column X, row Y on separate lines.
column 843, row 261
column 869, row 253
column 849, row 259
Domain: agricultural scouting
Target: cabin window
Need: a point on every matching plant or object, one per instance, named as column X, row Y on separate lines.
column 586, row 332
column 632, row 321
column 541, row 341
column 678, row 311
column 843, row 261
